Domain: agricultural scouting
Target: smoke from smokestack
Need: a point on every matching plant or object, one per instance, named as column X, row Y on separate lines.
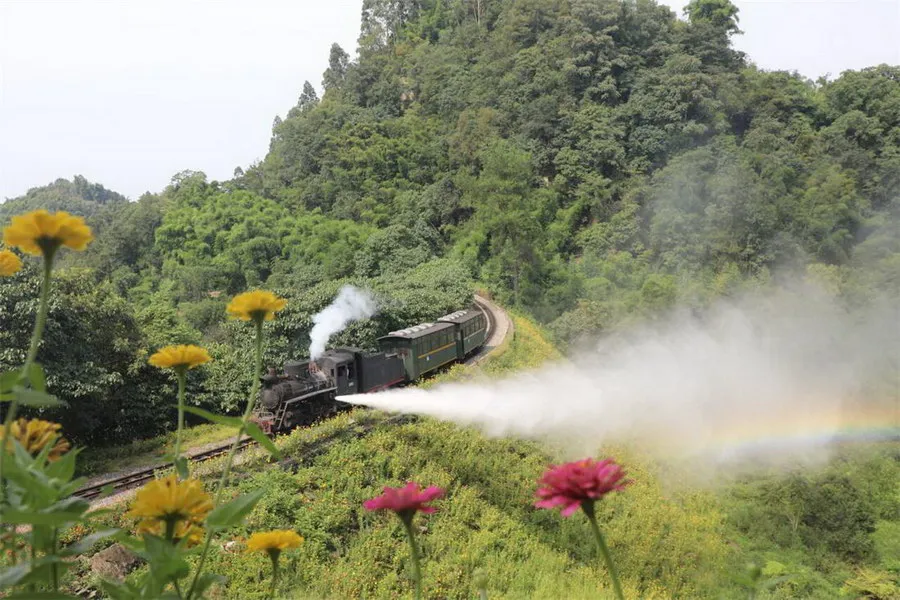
column 351, row 304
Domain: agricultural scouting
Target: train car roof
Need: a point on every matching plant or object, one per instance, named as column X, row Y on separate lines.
column 460, row 316
column 416, row 331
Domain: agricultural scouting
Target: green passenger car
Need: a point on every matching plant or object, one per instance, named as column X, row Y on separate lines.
column 423, row 348
column 470, row 330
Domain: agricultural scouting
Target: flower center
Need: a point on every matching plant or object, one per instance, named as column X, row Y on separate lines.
column 48, row 244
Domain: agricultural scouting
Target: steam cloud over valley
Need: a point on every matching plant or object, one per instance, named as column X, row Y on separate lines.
column 763, row 377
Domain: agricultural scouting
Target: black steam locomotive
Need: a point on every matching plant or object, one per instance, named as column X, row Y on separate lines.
column 306, row 390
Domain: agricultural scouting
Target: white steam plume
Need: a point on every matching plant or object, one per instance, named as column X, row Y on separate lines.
column 351, row 304
column 763, row 378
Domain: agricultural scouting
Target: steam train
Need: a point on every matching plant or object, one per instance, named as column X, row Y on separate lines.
column 306, row 390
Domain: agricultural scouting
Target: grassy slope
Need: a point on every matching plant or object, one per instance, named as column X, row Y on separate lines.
column 147, row 452
column 668, row 544
column 487, row 521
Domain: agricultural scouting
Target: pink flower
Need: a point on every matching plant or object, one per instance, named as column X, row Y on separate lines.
column 405, row 501
column 576, row 483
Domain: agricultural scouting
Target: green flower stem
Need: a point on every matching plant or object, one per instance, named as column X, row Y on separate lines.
column 54, row 567
column 41, row 319
column 588, row 508
column 181, row 373
column 417, row 568
column 170, row 529
column 32, row 587
column 274, row 556
column 36, row 335
column 223, row 480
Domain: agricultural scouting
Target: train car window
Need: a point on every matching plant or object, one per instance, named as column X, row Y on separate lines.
column 342, row 370
column 350, row 373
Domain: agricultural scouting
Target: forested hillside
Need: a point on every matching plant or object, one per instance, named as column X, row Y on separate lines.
column 588, row 162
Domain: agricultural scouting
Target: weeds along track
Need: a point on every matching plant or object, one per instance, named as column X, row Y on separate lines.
column 498, row 327
column 117, row 485
column 357, row 429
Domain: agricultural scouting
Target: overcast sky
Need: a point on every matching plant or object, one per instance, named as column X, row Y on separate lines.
column 130, row 93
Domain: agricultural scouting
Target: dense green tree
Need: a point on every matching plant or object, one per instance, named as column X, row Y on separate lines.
column 111, row 393
column 505, row 235
column 308, row 100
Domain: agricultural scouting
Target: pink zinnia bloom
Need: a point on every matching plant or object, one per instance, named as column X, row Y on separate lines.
column 575, row 483
column 405, row 501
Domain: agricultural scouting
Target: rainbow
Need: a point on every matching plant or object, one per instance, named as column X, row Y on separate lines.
column 864, row 424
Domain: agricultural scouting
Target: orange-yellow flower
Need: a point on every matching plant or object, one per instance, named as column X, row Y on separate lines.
column 10, row 263
column 34, row 435
column 169, row 500
column 256, row 305
column 184, row 529
column 40, row 232
column 183, row 356
column 274, row 541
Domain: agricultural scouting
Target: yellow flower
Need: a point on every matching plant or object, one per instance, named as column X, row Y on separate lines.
column 184, row 529
column 9, row 263
column 274, row 541
column 174, row 357
column 40, row 232
column 258, row 304
column 34, row 435
column 168, row 500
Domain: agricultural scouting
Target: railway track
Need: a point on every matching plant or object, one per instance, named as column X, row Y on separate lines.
column 117, row 485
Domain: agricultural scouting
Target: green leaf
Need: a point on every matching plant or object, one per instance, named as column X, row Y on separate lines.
column 38, row 487
column 8, row 381
column 119, row 591
column 231, row 514
column 10, row 576
column 36, row 378
column 24, row 572
column 87, row 542
column 64, row 468
column 53, row 519
column 262, row 439
column 220, row 419
column 181, row 467
column 41, row 596
column 206, row 580
column 165, row 560
column 65, row 511
column 71, row 504
column 35, row 399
